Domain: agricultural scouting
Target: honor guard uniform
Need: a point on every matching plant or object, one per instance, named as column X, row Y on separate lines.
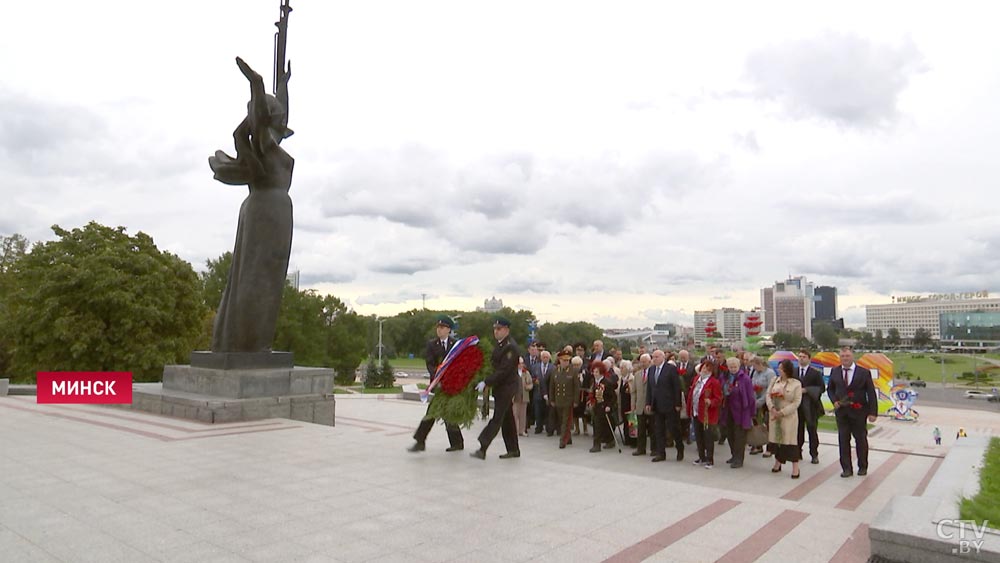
column 437, row 349
column 505, row 382
column 563, row 394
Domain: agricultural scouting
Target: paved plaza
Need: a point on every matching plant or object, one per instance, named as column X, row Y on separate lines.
column 88, row 483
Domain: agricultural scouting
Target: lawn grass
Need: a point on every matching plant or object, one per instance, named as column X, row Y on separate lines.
column 417, row 365
column 926, row 368
column 984, row 508
column 374, row 390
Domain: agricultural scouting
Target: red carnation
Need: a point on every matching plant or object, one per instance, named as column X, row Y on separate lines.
column 459, row 373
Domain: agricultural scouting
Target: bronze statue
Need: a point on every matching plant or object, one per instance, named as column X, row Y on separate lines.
column 248, row 312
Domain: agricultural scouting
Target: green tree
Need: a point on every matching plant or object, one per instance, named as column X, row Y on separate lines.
column 879, row 341
column 12, row 249
column 921, row 337
column 825, row 336
column 789, row 341
column 320, row 331
column 557, row 335
column 866, row 340
column 213, row 279
column 892, row 339
column 98, row 299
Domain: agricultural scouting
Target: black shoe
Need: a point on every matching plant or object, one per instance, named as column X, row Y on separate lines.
column 562, row 446
column 480, row 454
column 847, row 474
column 595, row 449
column 510, row 455
column 815, row 460
column 736, row 465
column 455, row 448
column 659, row 458
column 538, row 430
column 863, row 471
column 417, row 447
column 730, row 461
column 637, row 452
column 776, row 469
column 796, row 476
column 680, row 456
column 549, row 434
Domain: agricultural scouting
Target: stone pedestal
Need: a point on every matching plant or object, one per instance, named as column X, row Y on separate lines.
column 217, row 395
column 4, row 385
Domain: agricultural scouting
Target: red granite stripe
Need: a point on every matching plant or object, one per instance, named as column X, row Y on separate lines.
column 364, row 426
column 856, row 549
column 375, row 422
column 153, row 435
column 764, row 539
column 672, row 533
column 143, row 433
column 210, row 427
column 810, row 484
column 870, row 482
column 927, row 478
column 254, row 431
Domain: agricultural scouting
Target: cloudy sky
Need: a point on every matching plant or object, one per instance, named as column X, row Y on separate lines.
column 623, row 163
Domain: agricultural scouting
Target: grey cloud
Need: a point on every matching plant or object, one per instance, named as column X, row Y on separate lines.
column 747, row 141
column 379, row 298
column 843, row 78
column 313, row 278
column 895, row 206
column 410, row 265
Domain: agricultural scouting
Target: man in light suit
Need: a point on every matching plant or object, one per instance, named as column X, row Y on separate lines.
column 852, row 392
column 663, row 402
column 811, row 407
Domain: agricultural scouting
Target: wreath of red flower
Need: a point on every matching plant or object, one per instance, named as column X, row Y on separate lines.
column 459, row 373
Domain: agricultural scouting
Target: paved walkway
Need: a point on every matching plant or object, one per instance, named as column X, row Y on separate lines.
column 82, row 483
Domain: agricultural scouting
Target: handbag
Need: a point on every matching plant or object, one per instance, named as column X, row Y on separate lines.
column 757, row 435
column 633, row 422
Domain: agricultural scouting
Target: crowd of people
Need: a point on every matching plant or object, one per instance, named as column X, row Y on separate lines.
column 669, row 400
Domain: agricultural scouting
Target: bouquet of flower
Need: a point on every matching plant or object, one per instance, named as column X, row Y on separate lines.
column 457, row 375
column 849, row 402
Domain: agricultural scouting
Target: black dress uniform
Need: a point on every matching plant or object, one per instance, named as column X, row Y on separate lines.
column 505, row 381
column 435, row 353
column 604, row 399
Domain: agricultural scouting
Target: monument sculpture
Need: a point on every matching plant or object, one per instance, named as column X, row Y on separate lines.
column 241, row 378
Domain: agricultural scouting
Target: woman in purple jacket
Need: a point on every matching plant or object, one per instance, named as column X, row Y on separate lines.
column 738, row 412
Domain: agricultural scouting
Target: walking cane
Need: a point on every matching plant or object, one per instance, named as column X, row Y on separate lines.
column 608, row 418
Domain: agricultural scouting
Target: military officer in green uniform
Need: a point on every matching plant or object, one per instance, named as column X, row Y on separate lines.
column 563, row 394
column 505, row 381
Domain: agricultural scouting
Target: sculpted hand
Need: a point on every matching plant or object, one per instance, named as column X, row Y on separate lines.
column 480, row 386
column 250, row 73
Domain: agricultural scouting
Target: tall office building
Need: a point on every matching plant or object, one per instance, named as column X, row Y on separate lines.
column 788, row 306
column 767, row 307
column 826, row 303
column 728, row 323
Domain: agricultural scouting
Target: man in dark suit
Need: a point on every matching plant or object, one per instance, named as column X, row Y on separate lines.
column 852, row 392
column 811, row 407
column 597, row 352
column 505, row 381
column 540, row 374
column 437, row 349
column 663, row 402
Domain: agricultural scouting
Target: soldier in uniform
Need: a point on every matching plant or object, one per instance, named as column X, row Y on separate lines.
column 437, row 349
column 505, row 382
column 563, row 394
